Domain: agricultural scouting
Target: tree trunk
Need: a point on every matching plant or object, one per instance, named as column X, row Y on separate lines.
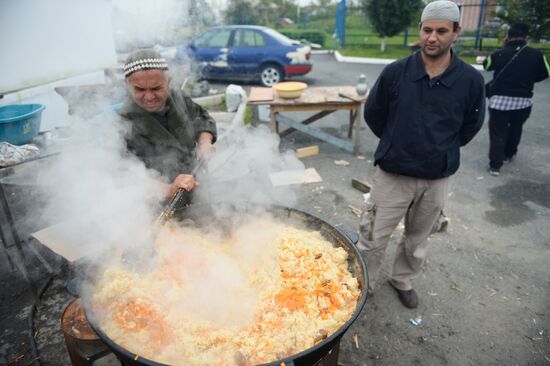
column 383, row 44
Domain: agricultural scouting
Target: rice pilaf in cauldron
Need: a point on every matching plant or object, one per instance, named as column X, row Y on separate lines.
column 267, row 291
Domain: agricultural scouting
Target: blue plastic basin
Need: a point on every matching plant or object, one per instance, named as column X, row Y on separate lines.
column 20, row 123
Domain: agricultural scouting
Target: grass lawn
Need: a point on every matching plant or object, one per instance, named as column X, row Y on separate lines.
column 362, row 41
column 391, row 52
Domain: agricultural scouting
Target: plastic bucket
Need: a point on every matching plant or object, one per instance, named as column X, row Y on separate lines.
column 20, row 123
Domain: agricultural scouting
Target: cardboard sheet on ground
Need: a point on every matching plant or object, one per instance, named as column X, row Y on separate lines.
column 287, row 177
column 70, row 244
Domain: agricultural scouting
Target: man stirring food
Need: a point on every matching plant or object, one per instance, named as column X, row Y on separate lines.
column 169, row 132
column 423, row 108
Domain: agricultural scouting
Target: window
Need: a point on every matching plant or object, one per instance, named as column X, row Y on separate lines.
column 249, row 38
column 214, row 38
column 280, row 37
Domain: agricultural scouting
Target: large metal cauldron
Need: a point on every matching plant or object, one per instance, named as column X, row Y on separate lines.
column 316, row 355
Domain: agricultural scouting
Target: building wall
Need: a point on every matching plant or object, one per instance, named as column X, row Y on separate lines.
column 44, row 41
column 470, row 10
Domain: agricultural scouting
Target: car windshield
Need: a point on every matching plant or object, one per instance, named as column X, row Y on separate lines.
column 279, row 37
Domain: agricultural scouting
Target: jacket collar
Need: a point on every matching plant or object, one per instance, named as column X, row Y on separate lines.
column 449, row 76
column 517, row 44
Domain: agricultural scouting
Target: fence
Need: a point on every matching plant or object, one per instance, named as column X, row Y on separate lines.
column 482, row 31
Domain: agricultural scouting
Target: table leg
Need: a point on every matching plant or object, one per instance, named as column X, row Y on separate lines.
column 40, row 257
column 5, row 243
column 357, row 129
column 352, row 113
column 21, row 263
column 273, row 120
column 20, row 259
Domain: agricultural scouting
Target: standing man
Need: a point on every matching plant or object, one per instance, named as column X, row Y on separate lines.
column 168, row 131
column 517, row 68
column 423, row 108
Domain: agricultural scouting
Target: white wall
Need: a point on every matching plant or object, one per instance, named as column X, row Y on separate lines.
column 56, row 113
column 46, row 40
column 49, row 43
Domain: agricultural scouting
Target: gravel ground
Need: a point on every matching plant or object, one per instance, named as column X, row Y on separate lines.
column 485, row 289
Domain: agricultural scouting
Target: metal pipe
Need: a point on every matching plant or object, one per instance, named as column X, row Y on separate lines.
column 480, row 24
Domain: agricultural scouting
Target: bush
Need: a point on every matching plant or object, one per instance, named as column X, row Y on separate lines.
column 311, row 36
column 248, row 115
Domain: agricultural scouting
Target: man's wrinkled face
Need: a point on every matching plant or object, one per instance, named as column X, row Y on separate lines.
column 437, row 37
column 149, row 89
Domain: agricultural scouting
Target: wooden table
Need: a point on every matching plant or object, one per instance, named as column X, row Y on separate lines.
column 323, row 100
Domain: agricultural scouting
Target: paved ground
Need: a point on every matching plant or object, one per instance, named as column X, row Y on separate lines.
column 484, row 293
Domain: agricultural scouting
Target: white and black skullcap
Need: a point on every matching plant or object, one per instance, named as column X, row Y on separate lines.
column 145, row 59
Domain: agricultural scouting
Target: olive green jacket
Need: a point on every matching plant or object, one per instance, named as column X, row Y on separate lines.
column 170, row 150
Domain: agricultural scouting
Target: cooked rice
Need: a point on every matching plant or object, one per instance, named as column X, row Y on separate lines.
column 240, row 301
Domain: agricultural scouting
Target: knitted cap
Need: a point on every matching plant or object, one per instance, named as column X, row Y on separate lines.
column 145, row 59
column 441, row 10
column 518, row 30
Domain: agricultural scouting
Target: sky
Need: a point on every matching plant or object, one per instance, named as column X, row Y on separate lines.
column 223, row 3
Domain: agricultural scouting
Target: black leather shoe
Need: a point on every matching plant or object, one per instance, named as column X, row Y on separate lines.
column 407, row 297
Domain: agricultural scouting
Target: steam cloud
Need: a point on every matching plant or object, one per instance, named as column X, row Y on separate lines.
column 105, row 200
column 141, row 23
column 240, row 172
column 102, row 195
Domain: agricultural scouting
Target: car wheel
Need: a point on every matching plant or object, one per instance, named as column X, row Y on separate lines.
column 270, row 74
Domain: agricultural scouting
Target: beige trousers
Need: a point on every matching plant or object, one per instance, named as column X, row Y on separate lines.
column 393, row 197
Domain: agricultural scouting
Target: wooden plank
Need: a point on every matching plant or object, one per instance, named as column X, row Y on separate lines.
column 360, row 185
column 341, row 143
column 304, row 152
column 260, row 94
column 287, row 177
column 328, row 94
column 317, row 107
column 318, row 96
column 307, row 121
column 350, row 97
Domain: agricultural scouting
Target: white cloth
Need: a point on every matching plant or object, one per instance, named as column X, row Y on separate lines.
column 506, row 103
column 12, row 154
column 234, row 95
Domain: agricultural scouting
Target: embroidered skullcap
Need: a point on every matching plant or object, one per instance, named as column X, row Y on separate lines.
column 441, row 10
column 145, row 59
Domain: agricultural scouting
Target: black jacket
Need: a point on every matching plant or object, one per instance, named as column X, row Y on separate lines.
column 422, row 122
column 169, row 148
column 518, row 78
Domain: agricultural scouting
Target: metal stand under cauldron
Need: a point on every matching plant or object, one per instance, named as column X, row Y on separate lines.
column 83, row 344
column 331, row 358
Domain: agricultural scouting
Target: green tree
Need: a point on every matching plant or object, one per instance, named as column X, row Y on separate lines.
column 272, row 10
column 287, row 8
column 323, row 3
column 241, row 12
column 536, row 13
column 390, row 17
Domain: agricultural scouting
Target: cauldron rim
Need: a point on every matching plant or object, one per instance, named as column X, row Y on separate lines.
column 289, row 360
